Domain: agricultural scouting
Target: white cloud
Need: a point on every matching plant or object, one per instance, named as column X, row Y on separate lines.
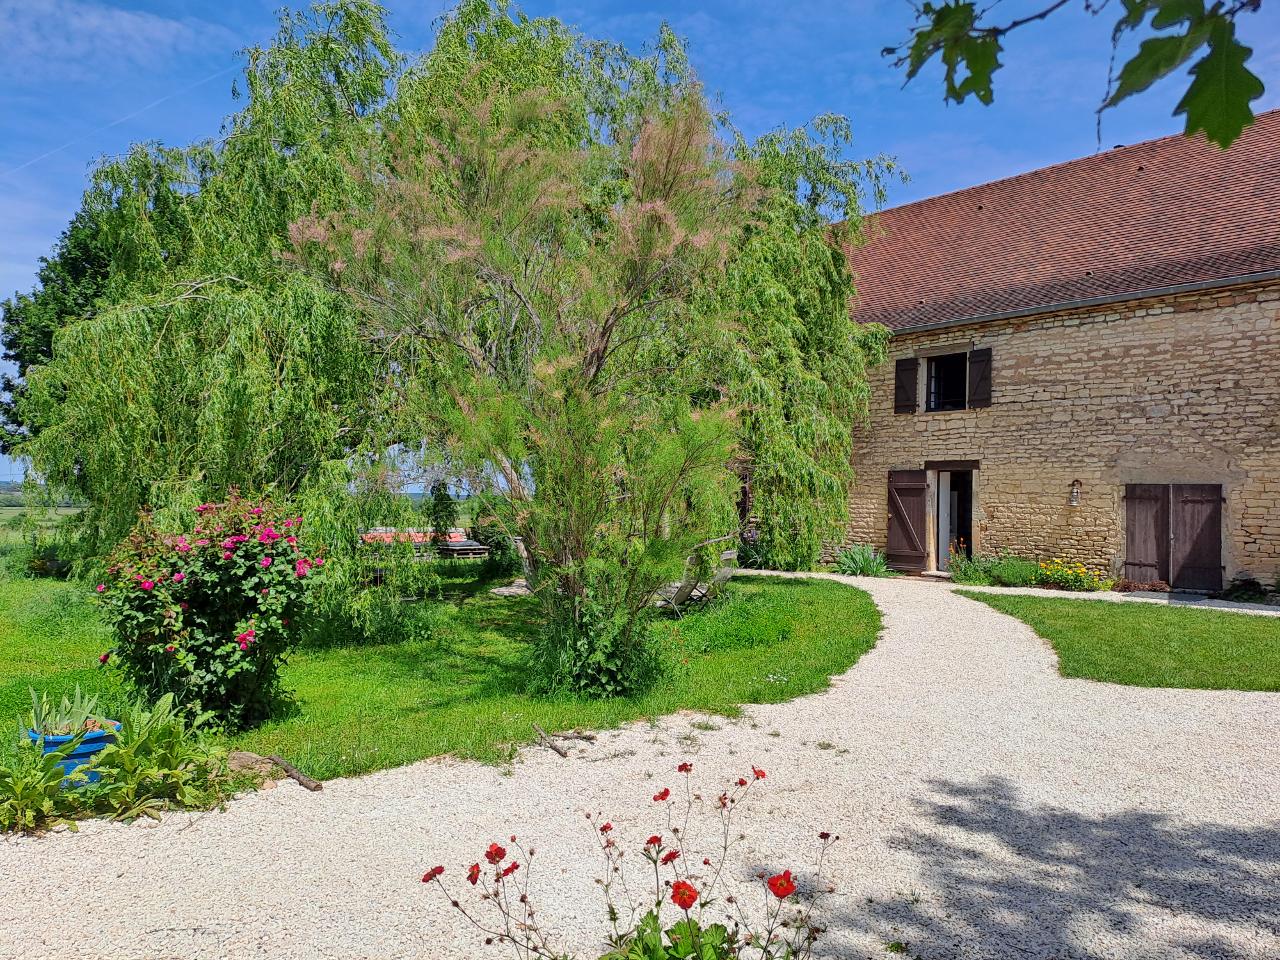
column 78, row 40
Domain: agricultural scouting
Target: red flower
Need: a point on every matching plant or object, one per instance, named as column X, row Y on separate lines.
column 742, row 781
column 670, row 857
column 606, row 828
column 495, row 854
column 432, row 874
column 105, row 657
column 781, row 885
column 510, row 869
column 661, row 795
column 473, row 874
column 685, row 767
column 684, row 894
column 757, row 773
column 654, row 841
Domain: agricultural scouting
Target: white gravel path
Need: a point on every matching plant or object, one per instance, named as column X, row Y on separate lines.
column 991, row 809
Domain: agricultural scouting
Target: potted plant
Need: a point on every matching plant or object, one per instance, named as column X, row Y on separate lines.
column 73, row 730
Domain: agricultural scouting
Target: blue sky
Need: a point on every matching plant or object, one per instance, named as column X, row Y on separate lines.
column 80, row 80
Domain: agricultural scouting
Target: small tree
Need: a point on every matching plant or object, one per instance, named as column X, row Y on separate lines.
column 442, row 510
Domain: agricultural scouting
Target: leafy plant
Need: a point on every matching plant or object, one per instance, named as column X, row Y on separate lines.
column 31, row 789
column 208, row 615
column 1245, row 590
column 974, row 569
column 1070, row 575
column 158, row 760
column 863, row 560
column 1010, row 570
column 62, row 719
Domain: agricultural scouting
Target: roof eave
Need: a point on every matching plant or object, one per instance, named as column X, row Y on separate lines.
column 1063, row 305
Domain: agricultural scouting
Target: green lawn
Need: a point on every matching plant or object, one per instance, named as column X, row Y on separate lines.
column 1146, row 645
column 365, row 708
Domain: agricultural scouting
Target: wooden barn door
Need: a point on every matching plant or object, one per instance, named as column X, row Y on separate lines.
column 905, row 549
column 1196, row 545
column 1173, row 532
column 1146, row 524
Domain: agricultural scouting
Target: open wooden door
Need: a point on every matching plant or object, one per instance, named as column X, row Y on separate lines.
column 905, row 549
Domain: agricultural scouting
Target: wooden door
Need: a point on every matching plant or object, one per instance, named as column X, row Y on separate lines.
column 905, row 548
column 1146, row 518
column 1196, row 543
column 1173, row 532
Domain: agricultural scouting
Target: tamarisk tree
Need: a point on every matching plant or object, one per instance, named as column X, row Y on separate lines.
column 535, row 299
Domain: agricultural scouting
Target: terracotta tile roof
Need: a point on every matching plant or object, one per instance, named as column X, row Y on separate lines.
column 1133, row 219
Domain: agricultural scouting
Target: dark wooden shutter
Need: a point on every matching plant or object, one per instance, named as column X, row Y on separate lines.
column 905, row 379
column 980, row 377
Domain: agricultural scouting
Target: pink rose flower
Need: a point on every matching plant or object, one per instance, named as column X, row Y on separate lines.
column 147, row 585
column 179, row 577
column 101, row 587
column 266, row 562
column 226, row 554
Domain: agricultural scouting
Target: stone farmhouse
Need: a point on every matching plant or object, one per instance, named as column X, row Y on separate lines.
column 1084, row 363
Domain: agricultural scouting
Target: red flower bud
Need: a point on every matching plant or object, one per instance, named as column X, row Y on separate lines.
column 473, row 874
column 757, row 773
column 685, row 767
column 661, row 795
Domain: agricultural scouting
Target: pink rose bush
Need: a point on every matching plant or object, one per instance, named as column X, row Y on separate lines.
column 210, row 613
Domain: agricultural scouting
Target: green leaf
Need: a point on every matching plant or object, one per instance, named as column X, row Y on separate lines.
column 1217, row 102
column 1157, row 57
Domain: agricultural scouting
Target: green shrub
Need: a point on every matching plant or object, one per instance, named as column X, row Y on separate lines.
column 972, row 570
column 209, row 615
column 863, row 560
column 158, row 761
column 488, row 528
column 31, row 792
column 1010, row 570
column 1070, row 575
column 601, row 652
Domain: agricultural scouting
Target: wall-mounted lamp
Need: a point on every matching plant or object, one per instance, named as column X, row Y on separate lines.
column 1074, row 499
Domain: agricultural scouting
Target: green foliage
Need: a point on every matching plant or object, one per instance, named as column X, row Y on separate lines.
column 491, row 526
column 31, row 790
column 685, row 939
column 863, row 560
column 975, row 570
column 68, row 284
column 370, row 592
column 1008, row 570
column 442, row 510
column 208, row 615
column 226, row 367
column 157, row 761
column 1216, row 100
column 70, row 716
column 799, row 378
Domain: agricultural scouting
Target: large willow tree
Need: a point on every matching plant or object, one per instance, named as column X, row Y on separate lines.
column 209, row 362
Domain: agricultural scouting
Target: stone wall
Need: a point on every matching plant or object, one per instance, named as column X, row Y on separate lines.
column 1180, row 389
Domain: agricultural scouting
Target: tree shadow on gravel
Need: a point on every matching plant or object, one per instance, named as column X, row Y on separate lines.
column 1079, row 882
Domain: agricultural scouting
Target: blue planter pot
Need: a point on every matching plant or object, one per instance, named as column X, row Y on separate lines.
column 90, row 744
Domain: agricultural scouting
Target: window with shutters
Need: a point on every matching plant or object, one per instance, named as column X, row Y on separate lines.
column 947, row 387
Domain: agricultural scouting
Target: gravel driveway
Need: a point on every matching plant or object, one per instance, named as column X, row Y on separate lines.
column 989, row 808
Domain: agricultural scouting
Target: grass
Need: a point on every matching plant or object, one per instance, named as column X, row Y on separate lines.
column 1146, row 645
column 359, row 709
